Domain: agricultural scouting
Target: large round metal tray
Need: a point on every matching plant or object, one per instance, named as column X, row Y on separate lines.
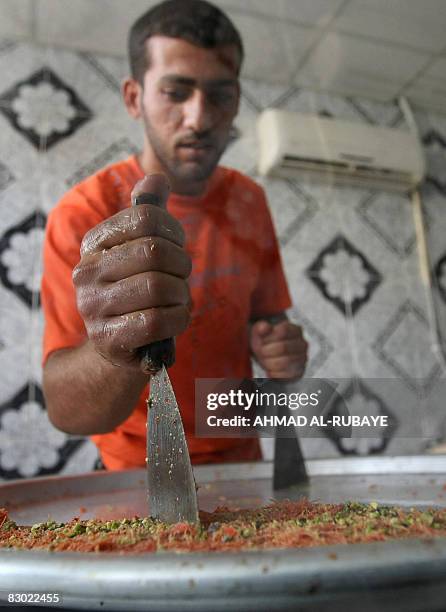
column 402, row 575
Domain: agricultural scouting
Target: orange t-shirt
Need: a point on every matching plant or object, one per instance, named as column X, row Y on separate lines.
column 237, row 276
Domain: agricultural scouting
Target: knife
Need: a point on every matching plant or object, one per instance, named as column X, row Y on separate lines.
column 172, row 494
column 289, row 463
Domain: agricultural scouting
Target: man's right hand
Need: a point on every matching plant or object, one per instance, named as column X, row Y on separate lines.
column 131, row 286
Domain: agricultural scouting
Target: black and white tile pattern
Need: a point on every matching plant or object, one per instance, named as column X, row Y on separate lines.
column 435, row 146
column 6, row 177
column 344, row 275
column 440, row 277
column 358, row 399
column 29, row 444
column 20, row 258
column 44, row 109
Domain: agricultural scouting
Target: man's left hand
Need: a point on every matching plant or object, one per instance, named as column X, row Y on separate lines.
column 280, row 349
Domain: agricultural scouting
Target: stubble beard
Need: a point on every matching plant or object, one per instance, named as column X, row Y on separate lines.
column 180, row 171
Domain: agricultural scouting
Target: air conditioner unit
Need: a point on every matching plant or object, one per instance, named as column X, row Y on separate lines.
column 298, row 145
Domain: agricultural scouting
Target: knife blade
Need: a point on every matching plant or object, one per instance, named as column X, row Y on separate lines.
column 289, row 463
column 172, row 494
column 172, row 491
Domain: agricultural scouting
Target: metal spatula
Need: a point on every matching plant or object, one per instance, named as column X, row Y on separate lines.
column 172, row 493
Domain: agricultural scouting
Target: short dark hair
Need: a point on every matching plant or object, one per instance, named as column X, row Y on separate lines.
column 196, row 21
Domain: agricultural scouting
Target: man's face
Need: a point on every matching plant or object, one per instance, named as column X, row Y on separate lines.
column 189, row 100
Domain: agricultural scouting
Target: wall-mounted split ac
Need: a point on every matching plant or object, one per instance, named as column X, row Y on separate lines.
column 297, row 145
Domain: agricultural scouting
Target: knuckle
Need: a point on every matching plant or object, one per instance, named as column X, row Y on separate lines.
column 92, row 302
column 76, row 274
column 95, row 331
column 88, row 241
column 143, row 218
column 150, row 249
column 86, row 269
column 81, row 302
column 153, row 284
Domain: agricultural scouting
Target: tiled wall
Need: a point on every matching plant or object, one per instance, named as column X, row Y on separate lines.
column 378, row 49
column 350, row 255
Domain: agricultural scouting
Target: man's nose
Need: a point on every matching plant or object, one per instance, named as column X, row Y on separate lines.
column 197, row 112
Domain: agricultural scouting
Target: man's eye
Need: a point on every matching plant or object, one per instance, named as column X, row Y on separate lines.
column 221, row 98
column 176, row 95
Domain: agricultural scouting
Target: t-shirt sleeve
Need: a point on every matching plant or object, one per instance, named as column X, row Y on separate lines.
column 271, row 294
column 66, row 226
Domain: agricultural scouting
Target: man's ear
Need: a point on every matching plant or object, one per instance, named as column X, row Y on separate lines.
column 132, row 94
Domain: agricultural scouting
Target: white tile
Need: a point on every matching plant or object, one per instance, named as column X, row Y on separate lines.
column 97, row 88
column 18, row 63
column 437, row 69
column 306, row 101
column 15, row 342
column 273, row 49
column 310, row 12
column 82, row 460
column 415, row 23
column 355, row 66
column 429, row 89
column 16, row 18
column 262, row 94
column 427, row 92
column 100, row 26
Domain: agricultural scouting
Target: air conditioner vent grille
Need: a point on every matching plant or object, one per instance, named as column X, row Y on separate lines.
column 360, row 170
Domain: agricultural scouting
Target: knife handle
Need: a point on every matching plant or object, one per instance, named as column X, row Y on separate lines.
column 162, row 352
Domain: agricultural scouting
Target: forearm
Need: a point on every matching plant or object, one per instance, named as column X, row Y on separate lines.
column 87, row 395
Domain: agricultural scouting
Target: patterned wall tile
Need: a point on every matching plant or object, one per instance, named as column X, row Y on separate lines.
column 344, row 275
column 94, row 81
column 360, row 399
column 84, row 458
column 439, row 305
column 440, row 276
column 111, row 70
column 115, row 152
column 319, row 348
column 404, row 344
column 20, row 261
column 17, row 62
column 433, row 203
column 435, row 147
column 6, row 176
column 331, row 354
column 290, row 207
column 390, row 217
column 327, row 105
column 44, row 109
column 29, row 444
column 15, row 338
column 379, row 113
column 263, row 95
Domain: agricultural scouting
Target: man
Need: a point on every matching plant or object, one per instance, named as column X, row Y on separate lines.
column 130, row 266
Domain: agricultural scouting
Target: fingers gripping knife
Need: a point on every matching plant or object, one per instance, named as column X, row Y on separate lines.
column 172, row 493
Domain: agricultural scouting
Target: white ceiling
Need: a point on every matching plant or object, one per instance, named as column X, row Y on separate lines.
column 378, row 49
